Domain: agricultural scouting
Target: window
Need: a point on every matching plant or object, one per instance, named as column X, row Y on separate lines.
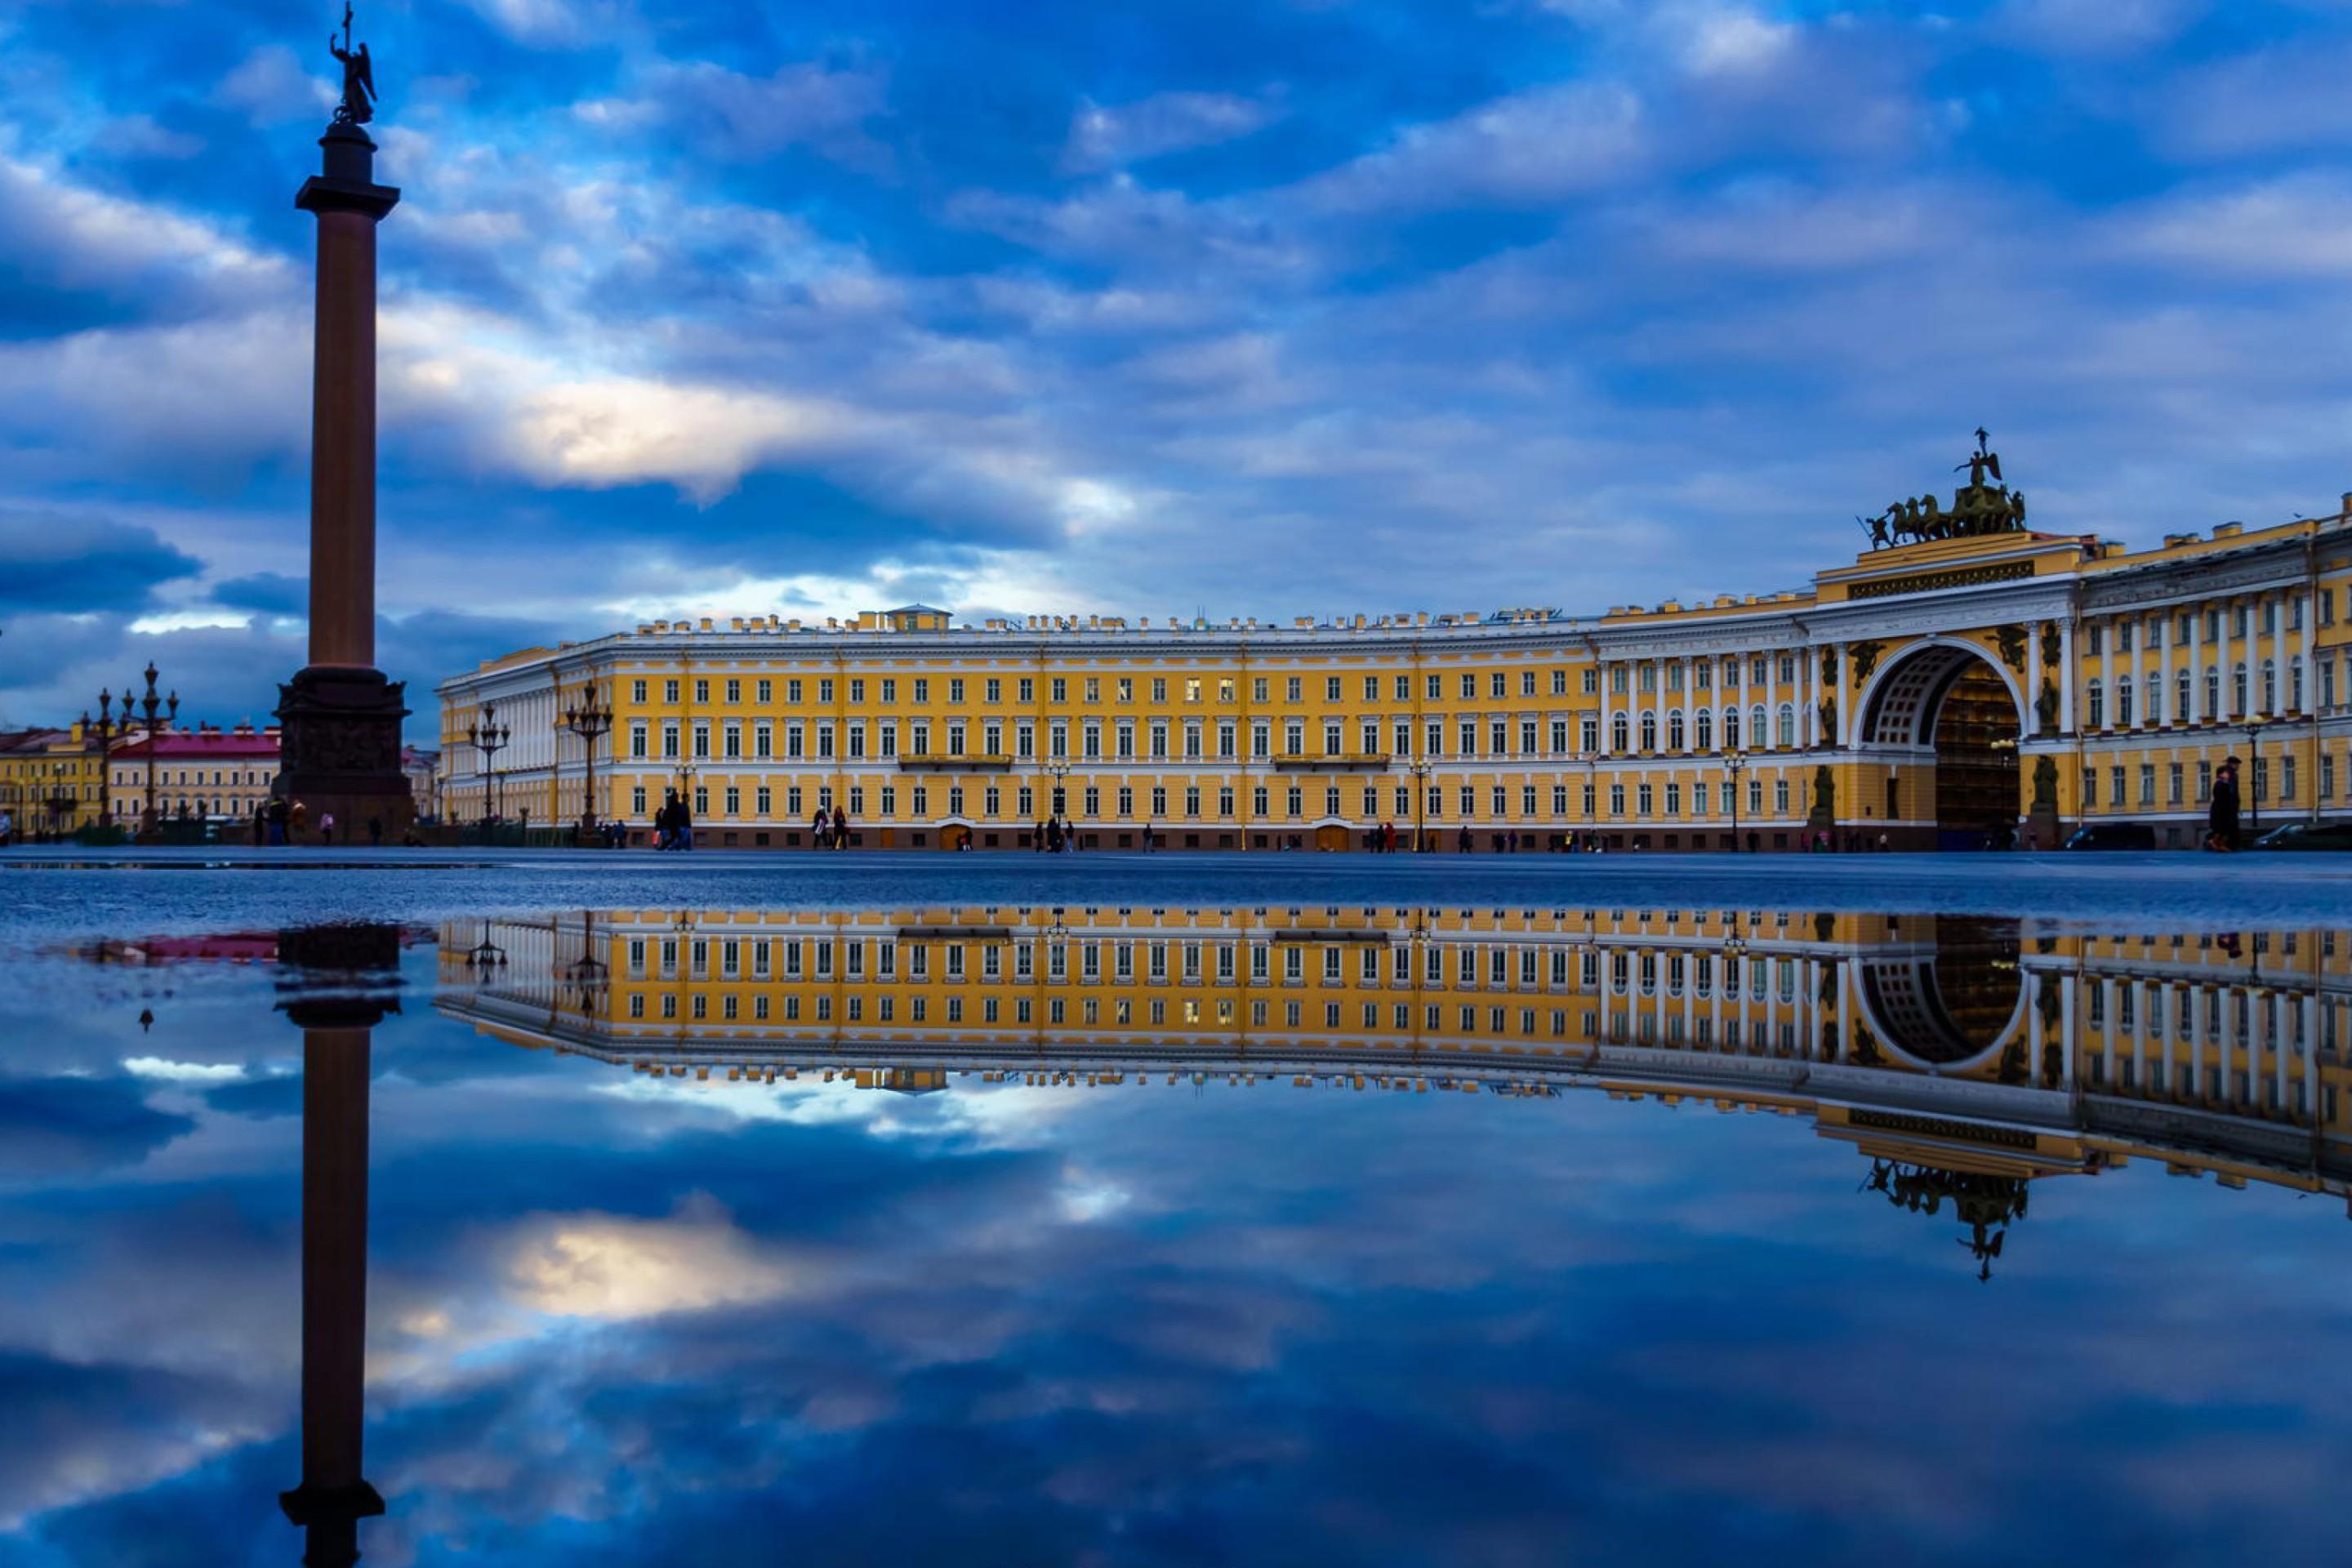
column 1788, row 724
column 2094, row 703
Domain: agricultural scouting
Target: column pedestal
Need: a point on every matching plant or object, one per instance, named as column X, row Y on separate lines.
column 338, row 749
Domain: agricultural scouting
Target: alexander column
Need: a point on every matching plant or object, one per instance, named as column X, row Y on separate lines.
column 340, row 746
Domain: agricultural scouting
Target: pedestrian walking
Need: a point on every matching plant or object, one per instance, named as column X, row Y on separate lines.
column 2221, row 810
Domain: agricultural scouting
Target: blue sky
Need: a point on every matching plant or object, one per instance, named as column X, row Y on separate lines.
column 1252, row 307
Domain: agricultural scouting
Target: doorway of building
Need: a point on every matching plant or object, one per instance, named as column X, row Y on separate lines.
column 1953, row 727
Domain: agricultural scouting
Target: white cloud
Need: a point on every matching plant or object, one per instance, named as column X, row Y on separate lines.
column 1105, row 137
column 272, row 88
column 2096, row 26
column 1530, row 149
column 2297, row 226
column 737, row 116
column 1725, row 42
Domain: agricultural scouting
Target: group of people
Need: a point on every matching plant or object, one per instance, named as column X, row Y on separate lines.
column 830, row 829
column 674, row 824
column 1053, row 835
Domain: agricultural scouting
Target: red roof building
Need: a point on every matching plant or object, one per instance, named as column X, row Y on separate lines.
column 204, row 771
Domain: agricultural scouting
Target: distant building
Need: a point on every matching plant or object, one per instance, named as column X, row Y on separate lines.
column 207, row 771
column 50, row 779
column 423, row 769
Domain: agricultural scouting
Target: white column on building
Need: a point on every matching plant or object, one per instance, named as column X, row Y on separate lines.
column 2068, row 676
column 2231, row 710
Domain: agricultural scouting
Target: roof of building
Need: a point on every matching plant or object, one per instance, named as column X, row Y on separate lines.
column 241, row 741
column 13, row 741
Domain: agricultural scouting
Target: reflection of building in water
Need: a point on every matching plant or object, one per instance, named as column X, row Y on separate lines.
column 1962, row 1048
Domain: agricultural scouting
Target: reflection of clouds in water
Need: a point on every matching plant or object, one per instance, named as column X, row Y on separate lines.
column 641, row 1320
column 610, row 1267
column 999, row 1117
column 182, row 1072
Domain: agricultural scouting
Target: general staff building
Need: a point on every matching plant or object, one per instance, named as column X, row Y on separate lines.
column 1966, row 681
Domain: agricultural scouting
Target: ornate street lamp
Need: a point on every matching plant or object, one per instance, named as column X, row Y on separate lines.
column 1058, row 770
column 1734, row 763
column 1420, row 768
column 106, row 731
column 591, row 720
column 157, row 714
column 489, row 737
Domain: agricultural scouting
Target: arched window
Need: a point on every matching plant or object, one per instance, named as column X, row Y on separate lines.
column 1705, row 721
column 2270, row 685
column 1649, row 728
column 2238, row 686
column 2295, row 684
column 1617, row 734
column 1731, row 729
column 1758, row 733
column 1788, row 724
column 2122, row 701
column 2212, row 692
column 2180, row 697
column 2094, row 700
column 1675, row 730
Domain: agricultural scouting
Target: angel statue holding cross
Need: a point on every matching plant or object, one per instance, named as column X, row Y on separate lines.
column 358, row 105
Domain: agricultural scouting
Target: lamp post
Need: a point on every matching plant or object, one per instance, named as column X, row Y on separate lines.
column 1420, row 768
column 1735, row 765
column 2253, row 729
column 107, row 731
column 590, row 719
column 158, row 713
column 1058, row 769
column 489, row 737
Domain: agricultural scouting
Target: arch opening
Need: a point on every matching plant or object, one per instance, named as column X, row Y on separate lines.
column 1950, row 708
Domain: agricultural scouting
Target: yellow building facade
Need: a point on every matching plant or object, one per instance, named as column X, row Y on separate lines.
column 52, row 781
column 1949, row 691
column 1961, row 1046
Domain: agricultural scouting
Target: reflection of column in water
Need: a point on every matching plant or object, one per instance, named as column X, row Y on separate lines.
column 337, row 1040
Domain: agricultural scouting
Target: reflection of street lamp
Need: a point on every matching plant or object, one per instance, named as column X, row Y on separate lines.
column 2253, row 729
column 582, row 984
column 1419, row 768
column 489, row 738
column 1734, row 763
column 590, row 719
column 486, row 956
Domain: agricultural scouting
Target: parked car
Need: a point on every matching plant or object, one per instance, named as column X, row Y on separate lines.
column 2113, row 835
column 2307, row 835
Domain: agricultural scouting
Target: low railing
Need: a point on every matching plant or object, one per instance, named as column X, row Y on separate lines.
column 958, row 762
column 1345, row 762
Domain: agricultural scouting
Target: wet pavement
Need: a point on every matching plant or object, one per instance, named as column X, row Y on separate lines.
column 967, row 1208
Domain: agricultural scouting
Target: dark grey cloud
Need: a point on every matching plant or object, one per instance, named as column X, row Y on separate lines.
column 265, row 593
column 53, row 563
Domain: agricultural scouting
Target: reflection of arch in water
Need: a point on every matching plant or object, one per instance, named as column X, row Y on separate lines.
column 1952, row 1005
column 1947, row 704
